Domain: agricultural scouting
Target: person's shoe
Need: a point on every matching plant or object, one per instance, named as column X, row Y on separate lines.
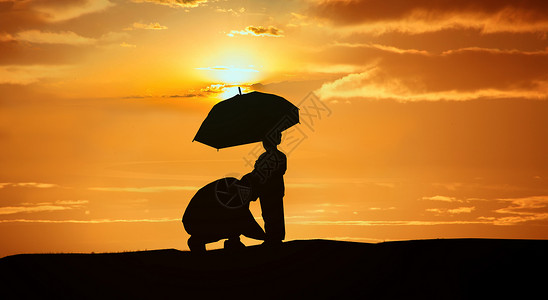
column 195, row 245
column 234, row 244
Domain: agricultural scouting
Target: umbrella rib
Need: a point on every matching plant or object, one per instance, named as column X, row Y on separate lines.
column 230, row 200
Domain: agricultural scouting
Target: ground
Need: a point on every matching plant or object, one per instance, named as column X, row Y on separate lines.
column 304, row 269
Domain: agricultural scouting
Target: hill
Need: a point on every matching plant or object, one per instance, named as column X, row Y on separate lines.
column 434, row 269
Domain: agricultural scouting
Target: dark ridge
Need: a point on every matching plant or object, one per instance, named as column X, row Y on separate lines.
column 303, row 269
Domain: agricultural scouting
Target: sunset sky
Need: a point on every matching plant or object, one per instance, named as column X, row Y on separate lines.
column 419, row 119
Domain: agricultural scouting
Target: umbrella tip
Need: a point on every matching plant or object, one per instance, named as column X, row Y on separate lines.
column 239, row 90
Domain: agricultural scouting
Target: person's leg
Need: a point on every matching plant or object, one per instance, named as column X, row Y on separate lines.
column 234, row 243
column 196, row 244
column 252, row 229
column 273, row 215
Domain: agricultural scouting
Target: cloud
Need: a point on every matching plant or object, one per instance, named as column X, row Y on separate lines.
column 56, row 11
column 20, row 15
column 149, row 189
column 28, row 184
column 389, row 185
column 461, row 74
column 382, row 208
column 452, row 186
column 175, row 3
column 331, row 205
column 127, row 45
column 523, row 210
column 381, row 47
column 217, row 88
column 458, row 210
column 24, row 75
column 95, row 221
column 386, row 223
column 149, row 26
column 29, row 209
column 270, row 31
column 381, row 16
column 236, row 12
column 212, row 90
column 442, row 198
column 227, row 68
column 46, row 37
column 113, row 37
column 42, row 207
column 71, row 202
column 31, row 49
column 304, row 185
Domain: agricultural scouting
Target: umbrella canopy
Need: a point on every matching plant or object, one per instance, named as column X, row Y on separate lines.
column 247, row 118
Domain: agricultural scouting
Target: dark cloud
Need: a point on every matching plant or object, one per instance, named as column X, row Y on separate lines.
column 433, row 15
column 259, row 31
column 16, row 16
column 466, row 69
column 455, row 38
column 362, row 11
column 21, row 15
column 175, row 3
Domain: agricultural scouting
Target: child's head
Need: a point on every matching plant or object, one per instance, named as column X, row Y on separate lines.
column 272, row 140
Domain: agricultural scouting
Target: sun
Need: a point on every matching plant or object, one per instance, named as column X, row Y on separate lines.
column 233, row 67
column 232, row 74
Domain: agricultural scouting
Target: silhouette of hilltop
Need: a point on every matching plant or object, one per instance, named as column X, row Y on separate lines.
column 303, row 269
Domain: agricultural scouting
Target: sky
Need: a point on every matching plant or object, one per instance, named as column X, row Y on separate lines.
column 419, row 119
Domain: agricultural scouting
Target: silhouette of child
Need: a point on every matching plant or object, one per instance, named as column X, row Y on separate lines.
column 269, row 170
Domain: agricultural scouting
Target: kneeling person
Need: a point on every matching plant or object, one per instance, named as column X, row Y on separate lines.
column 220, row 210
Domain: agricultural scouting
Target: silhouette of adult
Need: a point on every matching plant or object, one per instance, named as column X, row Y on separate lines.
column 218, row 211
column 269, row 169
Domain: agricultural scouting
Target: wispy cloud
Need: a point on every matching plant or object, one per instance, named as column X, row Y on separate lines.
column 375, row 83
column 382, row 208
column 148, row 189
column 43, row 207
column 227, row 68
column 40, row 185
column 305, row 185
column 442, row 198
column 56, row 11
column 212, row 90
column 48, row 37
column 381, row 16
column 270, row 31
column 149, row 26
column 127, row 45
column 27, row 74
column 380, row 47
column 523, row 210
column 332, row 205
column 175, row 3
column 94, row 221
column 458, row 210
column 387, row 223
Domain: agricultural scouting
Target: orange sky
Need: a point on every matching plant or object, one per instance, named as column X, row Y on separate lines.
column 433, row 120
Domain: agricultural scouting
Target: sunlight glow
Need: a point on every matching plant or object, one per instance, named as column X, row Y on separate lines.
column 231, row 74
column 233, row 66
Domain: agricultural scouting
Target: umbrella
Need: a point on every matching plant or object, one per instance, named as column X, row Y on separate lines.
column 245, row 119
